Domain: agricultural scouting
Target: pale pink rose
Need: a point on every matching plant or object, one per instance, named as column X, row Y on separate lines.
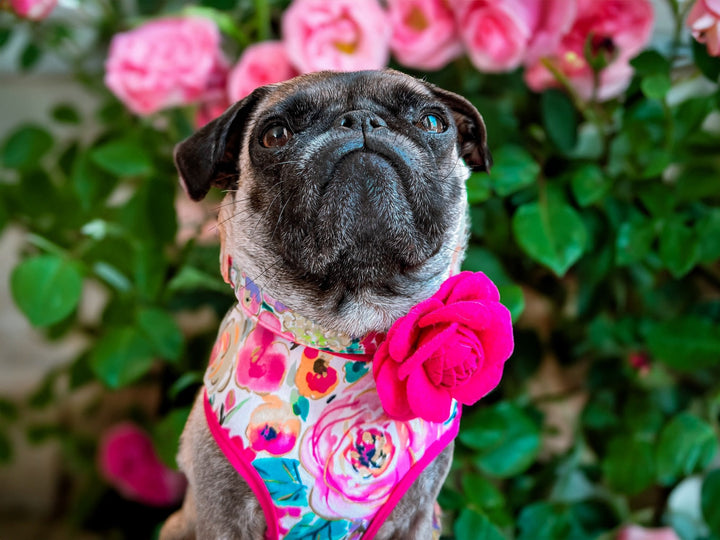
column 214, row 99
column 33, row 9
column 704, row 21
column 618, row 30
column 635, row 532
column 342, row 35
column 499, row 35
column 163, row 63
column 424, row 34
column 260, row 64
column 357, row 454
column 127, row 460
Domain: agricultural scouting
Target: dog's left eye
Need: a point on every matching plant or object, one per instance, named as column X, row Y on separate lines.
column 276, row 136
column 431, row 123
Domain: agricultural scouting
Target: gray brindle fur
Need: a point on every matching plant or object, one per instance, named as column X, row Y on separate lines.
column 353, row 220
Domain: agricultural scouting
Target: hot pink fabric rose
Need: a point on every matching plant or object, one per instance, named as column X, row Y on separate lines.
column 618, row 29
column 704, row 22
column 358, row 454
column 451, row 346
column 33, row 9
column 424, row 34
column 129, row 463
column 163, row 63
column 260, row 64
column 342, row 35
column 499, row 35
column 635, row 532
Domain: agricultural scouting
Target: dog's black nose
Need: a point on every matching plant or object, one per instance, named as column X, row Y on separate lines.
column 360, row 120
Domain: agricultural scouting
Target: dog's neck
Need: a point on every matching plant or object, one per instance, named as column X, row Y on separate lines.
column 291, row 325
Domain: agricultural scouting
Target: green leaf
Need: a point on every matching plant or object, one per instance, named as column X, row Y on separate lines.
column 481, row 492
column 589, row 184
column 25, row 147
column 4, row 36
column 710, row 501
column 708, row 65
column 512, row 297
column 66, row 114
column 656, row 86
column 472, row 525
column 30, row 56
column 505, row 438
column 192, row 279
column 478, row 188
column 686, row 343
column 162, row 332
column 560, row 119
column 679, row 248
column 513, row 170
column 545, row 521
column 709, row 233
column 90, row 183
column 122, row 356
column 46, row 288
column 687, row 444
column 634, row 240
column 650, row 63
column 629, row 464
column 551, row 232
column 166, row 435
column 6, row 450
column 123, row 157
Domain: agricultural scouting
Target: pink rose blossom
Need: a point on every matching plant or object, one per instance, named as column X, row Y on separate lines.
column 451, row 346
column 357, row 454
column 342, row 35
column 424, row 34
column 33, row 9
column 499, row 35
column 704, row 22
column 260, row 64
column 618, row 30
column 129, row 463
column 635, row 532
column 214, row 99
column 163, row 63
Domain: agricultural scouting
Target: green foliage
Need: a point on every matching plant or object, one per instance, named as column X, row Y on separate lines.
column 599, row 222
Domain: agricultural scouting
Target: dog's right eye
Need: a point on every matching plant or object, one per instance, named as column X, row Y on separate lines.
column 276, row 136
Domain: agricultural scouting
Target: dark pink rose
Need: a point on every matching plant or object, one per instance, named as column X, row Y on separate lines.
column 33, row 9
column 451, row 346
column 260, row 64
column 499, row 35
column 129, row 463
column 635, row 532
column 424, row 34
column 342, row 35
column 618, row 30
column 704, row 22
column 163, row 63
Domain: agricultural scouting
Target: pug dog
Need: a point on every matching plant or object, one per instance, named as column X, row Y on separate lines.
column 345, row 206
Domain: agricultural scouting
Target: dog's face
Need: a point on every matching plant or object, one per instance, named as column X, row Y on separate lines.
column 346, row 194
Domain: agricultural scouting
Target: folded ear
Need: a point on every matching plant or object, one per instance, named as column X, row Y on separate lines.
column 472, row 136
column 209, row 157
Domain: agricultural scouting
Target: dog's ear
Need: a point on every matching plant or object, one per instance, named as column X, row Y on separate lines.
column 472, row 136
column 209, row 157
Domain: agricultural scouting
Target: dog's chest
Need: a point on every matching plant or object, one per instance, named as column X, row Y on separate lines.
column 304, row 425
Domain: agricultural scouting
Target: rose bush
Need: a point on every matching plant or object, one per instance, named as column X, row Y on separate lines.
column 451, row 346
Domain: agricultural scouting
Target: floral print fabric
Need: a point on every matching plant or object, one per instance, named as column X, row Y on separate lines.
column 308, row 420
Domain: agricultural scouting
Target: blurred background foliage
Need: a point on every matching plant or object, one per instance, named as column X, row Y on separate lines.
column 600, row 223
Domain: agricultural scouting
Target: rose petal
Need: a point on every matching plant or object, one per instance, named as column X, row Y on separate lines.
column 426, row 348
column 479, row 385
column 497, row 338
column 427, row 400
column 403, row 335
column 477, row 314
column 392, row 392
column 467, row 286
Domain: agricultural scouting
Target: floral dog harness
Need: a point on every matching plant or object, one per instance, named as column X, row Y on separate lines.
column 296, row 411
